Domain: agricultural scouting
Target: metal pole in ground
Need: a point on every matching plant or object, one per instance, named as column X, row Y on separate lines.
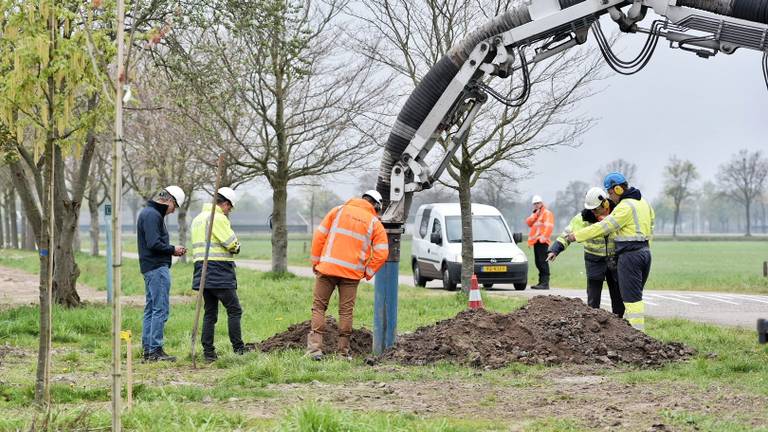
column 385, row 294
column 117, row 196
column 208, row 231
column 108, row 226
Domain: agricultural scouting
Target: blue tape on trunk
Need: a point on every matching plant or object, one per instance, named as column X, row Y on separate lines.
column 43, row 252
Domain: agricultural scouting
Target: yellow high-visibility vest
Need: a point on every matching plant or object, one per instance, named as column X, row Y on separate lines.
column 224, row 243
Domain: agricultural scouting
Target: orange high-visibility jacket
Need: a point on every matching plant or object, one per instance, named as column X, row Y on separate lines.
column 350, row 242
column 542, row 224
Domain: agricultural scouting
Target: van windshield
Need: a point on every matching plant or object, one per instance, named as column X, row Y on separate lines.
column 488, row 229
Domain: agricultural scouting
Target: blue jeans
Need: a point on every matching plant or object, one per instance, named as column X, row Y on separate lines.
column 157, row 284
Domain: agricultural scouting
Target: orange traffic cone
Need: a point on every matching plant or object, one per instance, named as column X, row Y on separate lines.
column 475, row 301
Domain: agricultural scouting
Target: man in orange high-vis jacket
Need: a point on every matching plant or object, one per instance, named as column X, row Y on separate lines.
column 542, row 223
column 349, row 244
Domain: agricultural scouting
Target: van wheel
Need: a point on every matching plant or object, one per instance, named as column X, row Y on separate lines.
column 418, row 280
column 448, row 284
column 520, row 286
column 487, row 285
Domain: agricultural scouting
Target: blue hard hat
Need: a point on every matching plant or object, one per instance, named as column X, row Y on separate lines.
column 613, row 179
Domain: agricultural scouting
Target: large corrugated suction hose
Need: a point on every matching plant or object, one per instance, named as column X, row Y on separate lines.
column 432, row 86
column 750, row 10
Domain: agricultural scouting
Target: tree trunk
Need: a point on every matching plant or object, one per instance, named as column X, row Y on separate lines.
column 14, row 230
column 42, row 377
column 465, row 203
column 675, row 220
column 28, row 236
column 749, row 224
column 3, row 211
column 66, row 270
column 182, row 218
column 6, row 220
column 279, row 228
column 93, row 210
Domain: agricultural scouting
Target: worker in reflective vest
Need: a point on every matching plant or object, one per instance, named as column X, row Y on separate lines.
column 220, row 276
column 599, row 252
column 542, row 223
column 632, row 221
column 348, row 245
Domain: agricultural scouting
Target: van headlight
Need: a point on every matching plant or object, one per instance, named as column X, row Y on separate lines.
column 520, row 258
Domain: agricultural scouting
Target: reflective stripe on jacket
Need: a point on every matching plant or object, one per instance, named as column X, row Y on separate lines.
column 542, row 224
column 224, row 243
column 350, row 242
column 631, row 220
column 600, row 246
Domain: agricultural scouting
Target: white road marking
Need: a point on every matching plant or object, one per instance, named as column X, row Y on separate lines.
column 715, row 298
column 679, row 295
column 675, row 299
column 746, row 297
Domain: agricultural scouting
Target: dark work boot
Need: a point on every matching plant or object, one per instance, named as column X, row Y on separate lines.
column 541, row 286
column 210, row 356
column 160, row 355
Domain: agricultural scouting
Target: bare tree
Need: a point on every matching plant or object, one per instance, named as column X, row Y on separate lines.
column 160, row 146
column 410, row 36
column 497, row 188
column 743, row 179
column 570, row 200
column 293, row 102
column 629, row 169
column 679, row 176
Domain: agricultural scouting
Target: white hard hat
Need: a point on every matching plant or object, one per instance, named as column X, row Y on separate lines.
column 373, row 194
column 229, row 194
column 177, row 194
column 594, row 198
column 536, row 199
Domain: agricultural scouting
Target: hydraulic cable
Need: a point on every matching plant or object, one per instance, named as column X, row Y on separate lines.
column 519, row 100
column 765, row 68
column 628, row 67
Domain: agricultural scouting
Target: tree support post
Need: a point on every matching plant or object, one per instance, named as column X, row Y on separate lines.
column 385, row 293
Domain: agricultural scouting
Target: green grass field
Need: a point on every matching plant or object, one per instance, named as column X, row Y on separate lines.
column 228, row 394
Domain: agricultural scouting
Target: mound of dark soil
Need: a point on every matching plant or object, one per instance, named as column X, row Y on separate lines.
column 548, row 330
column 296, row 338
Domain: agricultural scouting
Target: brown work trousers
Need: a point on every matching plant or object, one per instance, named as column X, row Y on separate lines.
column 324, row 286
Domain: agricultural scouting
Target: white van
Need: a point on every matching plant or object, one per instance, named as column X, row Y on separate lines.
column 436, row 247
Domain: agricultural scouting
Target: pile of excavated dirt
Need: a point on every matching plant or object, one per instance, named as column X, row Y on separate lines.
column 296, row 338
column 548, row 330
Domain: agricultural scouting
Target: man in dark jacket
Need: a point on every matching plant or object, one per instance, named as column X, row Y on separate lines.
column 155, row 252
column 220, row 276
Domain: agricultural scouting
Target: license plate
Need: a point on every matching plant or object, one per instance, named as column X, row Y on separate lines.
column 491, row 269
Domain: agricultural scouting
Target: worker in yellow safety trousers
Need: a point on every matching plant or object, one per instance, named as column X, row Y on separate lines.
column 220, row 276
column 348, row 245
column 632, row 222
column 599, row 252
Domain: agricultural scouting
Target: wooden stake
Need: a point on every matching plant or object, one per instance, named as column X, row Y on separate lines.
column 208, row 232
column 117, row 238
column 126, row 336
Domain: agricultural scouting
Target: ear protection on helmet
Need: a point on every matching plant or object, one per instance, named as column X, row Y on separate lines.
column 605, row 204
column 619, row 190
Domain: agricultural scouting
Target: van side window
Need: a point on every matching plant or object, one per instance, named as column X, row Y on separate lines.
column 424, row 223
column 437, row 228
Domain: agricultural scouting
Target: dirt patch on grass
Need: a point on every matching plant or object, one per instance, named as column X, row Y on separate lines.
column 18, row 288
column 548, row 330
column 296, row 338
column 595, row 402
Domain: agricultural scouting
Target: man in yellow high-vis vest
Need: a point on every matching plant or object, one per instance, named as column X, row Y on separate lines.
column 220, row 279
column 632, row 221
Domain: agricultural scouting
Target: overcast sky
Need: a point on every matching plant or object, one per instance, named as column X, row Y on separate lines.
column 703, row 110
